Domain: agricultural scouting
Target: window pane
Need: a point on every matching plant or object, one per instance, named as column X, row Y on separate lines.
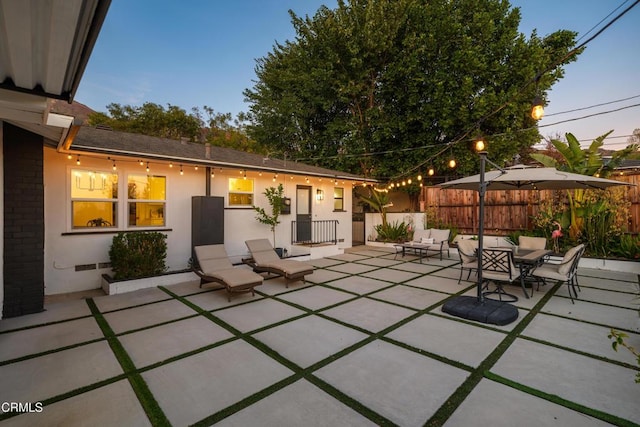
column 93, row 185
column 240, row 185
column 240, row 199
column 93, row 214
column 146, row 214
column 338, row 199
column 146, row 187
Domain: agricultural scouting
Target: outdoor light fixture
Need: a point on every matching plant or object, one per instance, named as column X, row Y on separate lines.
column 170, row 165
column 213, row 173
column 245, row 175
column 431, row 172
column 147, row 166
column 114, row 165
column 78, row 160
column 319, row 195
column 419, row 177
column 141, row 163
column 181, row 172
column 537, row 109
column 480, row 146
column 452, row 163
column 69, row 156
column 196, row 167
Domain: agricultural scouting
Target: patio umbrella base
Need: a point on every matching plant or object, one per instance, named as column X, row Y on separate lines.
column 487, row 311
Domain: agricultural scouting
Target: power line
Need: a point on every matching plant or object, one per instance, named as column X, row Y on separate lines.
column 592, row 106
column 589, row 115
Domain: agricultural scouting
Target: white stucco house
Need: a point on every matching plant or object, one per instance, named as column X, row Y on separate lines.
column 103, row 182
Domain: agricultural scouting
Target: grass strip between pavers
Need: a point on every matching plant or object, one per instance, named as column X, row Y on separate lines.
column 483, row 371
column 612, row 419
column 298, row 372
column 148, row 402
column 462, row 392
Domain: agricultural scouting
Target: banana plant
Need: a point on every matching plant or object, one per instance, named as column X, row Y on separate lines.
column 587, row 161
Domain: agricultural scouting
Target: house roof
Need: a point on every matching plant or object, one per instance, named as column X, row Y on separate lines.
column 44, row 48
column 124, row 144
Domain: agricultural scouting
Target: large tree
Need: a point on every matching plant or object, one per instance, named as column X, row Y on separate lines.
column 173, row 122
column 379, row 87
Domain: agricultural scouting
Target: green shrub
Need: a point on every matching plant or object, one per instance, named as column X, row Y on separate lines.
column 392, row 232
column 138, row 254
column 628, row 247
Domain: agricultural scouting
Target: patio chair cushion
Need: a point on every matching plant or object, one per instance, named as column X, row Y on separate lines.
column 565, row 264
column 467, row 251
column 439, row 235
column 529, row 242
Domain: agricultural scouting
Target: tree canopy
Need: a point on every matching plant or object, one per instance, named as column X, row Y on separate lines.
column 380, row 87
column 173, row 122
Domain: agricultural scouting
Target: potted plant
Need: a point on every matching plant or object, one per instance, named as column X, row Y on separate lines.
column 275, row 197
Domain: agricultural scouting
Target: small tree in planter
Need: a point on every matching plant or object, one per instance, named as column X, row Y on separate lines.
column 275, row 198
column 138, row 254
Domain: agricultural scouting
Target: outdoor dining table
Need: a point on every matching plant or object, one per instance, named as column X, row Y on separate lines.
column 527, row 260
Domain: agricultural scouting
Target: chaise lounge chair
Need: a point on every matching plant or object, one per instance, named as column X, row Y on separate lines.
column 214, row 266
column 265, row 259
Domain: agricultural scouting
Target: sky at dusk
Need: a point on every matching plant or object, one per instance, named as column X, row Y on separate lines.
column 202, row 52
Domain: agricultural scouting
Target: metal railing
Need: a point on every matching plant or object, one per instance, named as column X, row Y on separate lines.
column 314, row 232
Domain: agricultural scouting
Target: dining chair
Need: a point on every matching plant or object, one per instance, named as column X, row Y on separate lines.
column 498, row 267
column 529, row 242
column 468, row 259
column 565, row 271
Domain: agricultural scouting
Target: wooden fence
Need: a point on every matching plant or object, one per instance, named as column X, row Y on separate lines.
column 508, row 211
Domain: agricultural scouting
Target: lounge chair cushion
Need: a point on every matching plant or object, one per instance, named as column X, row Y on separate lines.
column 214, row 263
column 266, row 258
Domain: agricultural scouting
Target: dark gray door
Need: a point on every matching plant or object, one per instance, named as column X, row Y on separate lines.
column 303, row 213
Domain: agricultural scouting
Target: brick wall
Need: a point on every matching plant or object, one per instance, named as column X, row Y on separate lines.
column 23, row 222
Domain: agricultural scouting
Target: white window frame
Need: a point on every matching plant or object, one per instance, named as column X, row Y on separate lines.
column 128, row 201
column 71, row 199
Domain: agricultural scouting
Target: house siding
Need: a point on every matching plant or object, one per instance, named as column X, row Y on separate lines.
column 23, row 222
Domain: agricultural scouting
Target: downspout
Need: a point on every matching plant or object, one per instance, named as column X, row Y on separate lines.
column 207, row 174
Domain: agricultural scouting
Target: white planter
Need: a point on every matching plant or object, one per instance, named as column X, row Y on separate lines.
column 112, row 288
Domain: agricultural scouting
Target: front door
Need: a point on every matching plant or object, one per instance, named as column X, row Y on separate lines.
column 303, row 213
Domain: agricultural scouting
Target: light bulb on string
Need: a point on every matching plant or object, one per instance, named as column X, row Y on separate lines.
column 78, row 160
column 431, row 171
column 147, row 166
column 181, row 171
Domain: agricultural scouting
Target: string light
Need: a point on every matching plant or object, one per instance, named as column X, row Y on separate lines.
column 147, row 166
column 170, row 165
column 69, row 156
column 452, row 163
column 114, row 165
column 196, row 167
column 213, row 173
column 181, row 172
column 78, row 160
column 141, row 163
column 245, row 175
column 431, row 171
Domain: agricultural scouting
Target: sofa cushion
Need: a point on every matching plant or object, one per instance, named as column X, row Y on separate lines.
column 419, row 234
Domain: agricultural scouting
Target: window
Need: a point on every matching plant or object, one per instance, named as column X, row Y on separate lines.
column 146, row 196
column 240, row 192
column 338, row 199
column 94, row 199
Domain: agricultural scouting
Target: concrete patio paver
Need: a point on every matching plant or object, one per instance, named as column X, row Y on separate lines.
column 426, row 333
column 299, row 404
column 323, row 276
column 352, row 268
column 580, row 336
column 310, row 339
column 52, row 374
column 596, row 313
column 48, row 337
column 257, row 314
column 162, row 342
column 360, row 285
column 410, row 297
column 401, row 385
column 112, row 405
column 393, row 276
column 147, row 315
column 216, row 299
column 317, row 297
column 55, row 312
column 210, row 381
column 494, row 404
column 143, row 296
column 368, row 314
column 603, row 386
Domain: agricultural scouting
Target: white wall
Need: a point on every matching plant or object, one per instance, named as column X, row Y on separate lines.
column 1, row 218
column 64, row 252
